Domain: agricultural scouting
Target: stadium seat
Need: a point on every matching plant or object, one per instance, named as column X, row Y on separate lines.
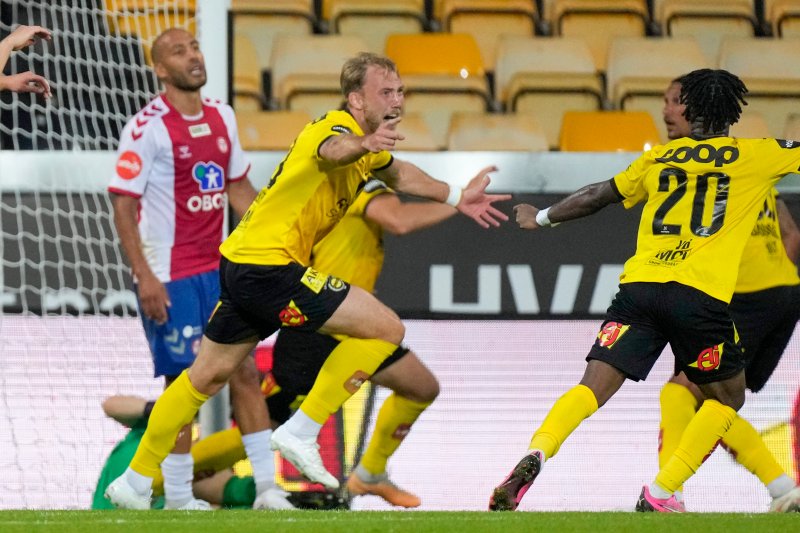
column 771, row 72
column 599, row 21
column 791, row 129
column 608, row 131
column 263, row 21
column 783, row 17
column 140, row 18
column 247, row 92
column 708, row 21
column 751, row 125
column 418, row 136
column 374, row 21
column 519, row 132
column 270, row 130
column 305, row 70
column 546, row 77
column 633, row 82
column 442, row 73
column 487, row 21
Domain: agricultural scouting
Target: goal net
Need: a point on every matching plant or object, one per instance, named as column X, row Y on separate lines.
column 69, row 331
column 69, row 328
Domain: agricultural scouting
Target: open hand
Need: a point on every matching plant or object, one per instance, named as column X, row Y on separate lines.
column 477, row 205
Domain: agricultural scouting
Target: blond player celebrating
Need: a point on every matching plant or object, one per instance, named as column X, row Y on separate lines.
column 267, row 282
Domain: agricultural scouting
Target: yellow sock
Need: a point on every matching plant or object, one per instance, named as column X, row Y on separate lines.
column 564, row 417
column 678, row 406
column 173, row 410
column 219, row 451
column 395, row 418
column 747, row 446
column 708, row 426
column 348, row 366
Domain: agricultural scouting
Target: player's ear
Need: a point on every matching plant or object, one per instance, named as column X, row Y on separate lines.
column 355, row 100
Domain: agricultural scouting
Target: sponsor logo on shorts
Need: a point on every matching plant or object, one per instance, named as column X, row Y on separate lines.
column 401, row 431
column 709, row 358
column 335, row 284
column 129, row 165
column 355, row 381
column 314, row 279
column 291, row 316
column 269, row 387
column 610, row 334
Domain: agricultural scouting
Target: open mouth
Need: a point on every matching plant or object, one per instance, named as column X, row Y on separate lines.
column 391, row 116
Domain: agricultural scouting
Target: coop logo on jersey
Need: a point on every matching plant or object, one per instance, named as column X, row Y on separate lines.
column 291, row 315
column 610, row 334
column 129, row 165
column 210, row 176
column 709, row 358
column 355, row 381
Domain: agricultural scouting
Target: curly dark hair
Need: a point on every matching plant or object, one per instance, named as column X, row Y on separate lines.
column 713, row 98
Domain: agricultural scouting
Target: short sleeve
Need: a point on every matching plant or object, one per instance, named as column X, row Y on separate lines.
column 135, row 156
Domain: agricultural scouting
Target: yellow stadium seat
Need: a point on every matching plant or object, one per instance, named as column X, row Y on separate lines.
column 270, row 130
column 246, row 71
column 305, row 70
column 495, row 132
column 418, row 136
column 598, row 22
column 374, row 21
column 262, row 21
column 546, row 77
column 442, row 73
column 641, row 68
column 751, row 125
column 146, row 22
column 771, row 72
column 791, row 129
column 608, row 131
column 708, row 21
column 783, row 16
column 487, row 21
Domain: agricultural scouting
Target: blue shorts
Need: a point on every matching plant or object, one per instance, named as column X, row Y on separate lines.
column 174, row 344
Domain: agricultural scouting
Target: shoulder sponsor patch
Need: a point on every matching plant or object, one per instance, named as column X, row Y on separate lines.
column 341, row 129
column 129, row 165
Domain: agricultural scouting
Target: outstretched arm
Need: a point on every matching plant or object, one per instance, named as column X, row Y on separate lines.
column 20, row 38
column 127, row 410
column 401, row 218
column 471, row 201
column 583, row 202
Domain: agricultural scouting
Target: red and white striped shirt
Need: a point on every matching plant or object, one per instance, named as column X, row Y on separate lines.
column 178, row 167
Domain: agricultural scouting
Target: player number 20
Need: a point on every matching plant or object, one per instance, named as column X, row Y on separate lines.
column 678, row 176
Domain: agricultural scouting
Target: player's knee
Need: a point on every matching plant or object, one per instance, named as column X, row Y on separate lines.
column 429, row 391
column 394, row 331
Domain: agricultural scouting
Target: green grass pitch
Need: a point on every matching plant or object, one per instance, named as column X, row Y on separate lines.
column 388, row 522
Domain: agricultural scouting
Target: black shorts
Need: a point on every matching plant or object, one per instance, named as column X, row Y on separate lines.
column 297, row 358
column 766, row 321
column 644, row 317
column 256, row 300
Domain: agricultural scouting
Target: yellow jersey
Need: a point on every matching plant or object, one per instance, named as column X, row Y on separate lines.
column 702, row 199
column 764, row 261
column 353, row 251
column 305, row 198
